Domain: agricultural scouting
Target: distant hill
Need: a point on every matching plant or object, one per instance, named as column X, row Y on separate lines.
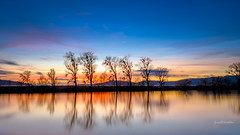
column 10, row 83
column 195, row 81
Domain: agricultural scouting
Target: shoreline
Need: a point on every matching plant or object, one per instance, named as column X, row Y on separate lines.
column 70, row 89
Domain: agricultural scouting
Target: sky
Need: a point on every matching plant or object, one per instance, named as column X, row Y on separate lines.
column 199, row 38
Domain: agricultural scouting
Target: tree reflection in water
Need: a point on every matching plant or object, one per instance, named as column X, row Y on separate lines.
column 112, row 116
column 87, row 118
column 147, row 108
column 51, row 104
column 113, row 107
column 127, row 112
column 71, row 115
column 24, row 102
column 124, row 116
column 163, row 102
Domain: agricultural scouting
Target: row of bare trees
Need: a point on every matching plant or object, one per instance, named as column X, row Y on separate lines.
column 87, row 61
column 52, row 79
column 114, row 65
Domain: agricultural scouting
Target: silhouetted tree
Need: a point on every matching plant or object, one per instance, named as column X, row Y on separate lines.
column 42, row 81
column 71, row 63
column 52, row 77
column 112, row 63
column 234, row 70
column 161, row 74
column 103, row 78
column 25, row 77
column 88, row 60
column 126, row 66
column 145, row 68
column 184, row 83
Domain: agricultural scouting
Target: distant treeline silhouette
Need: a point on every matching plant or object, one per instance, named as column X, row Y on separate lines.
column 86, row 62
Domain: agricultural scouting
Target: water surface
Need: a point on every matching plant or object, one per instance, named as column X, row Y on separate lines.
column 108, row 113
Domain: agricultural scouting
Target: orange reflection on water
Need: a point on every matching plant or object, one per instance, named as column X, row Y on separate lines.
column 71, row 112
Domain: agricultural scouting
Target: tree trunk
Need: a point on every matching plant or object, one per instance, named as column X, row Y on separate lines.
column 116, row 80
column 75, row 81
column 90, row 83
column 130, row 82
column 147, row 82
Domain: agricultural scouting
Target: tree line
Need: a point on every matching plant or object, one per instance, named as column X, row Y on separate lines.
column 87, row 63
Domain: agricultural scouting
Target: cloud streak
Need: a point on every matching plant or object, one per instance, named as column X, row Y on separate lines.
column 3, row 72
column 8, row 62
column 39, row 73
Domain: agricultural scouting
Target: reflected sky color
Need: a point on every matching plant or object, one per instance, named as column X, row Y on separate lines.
column 171, row 112
column 193, row 38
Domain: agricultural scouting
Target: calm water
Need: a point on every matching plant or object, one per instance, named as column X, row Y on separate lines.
column 111, row 113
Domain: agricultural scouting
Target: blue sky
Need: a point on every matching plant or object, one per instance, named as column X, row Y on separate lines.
column 175, row 33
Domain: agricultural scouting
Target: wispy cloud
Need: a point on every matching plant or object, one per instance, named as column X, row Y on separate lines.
column 4, row 72
column 218, row 54
column 35, row 38
column 180, row 75
column 199, row 64
column 39, row 73
column 62, row 79
column 8, row 62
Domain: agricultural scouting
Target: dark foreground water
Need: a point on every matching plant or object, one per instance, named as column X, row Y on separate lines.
column 111, row 113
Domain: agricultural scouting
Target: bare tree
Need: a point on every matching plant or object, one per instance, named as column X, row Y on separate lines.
column 103, row 78
column 25, row 76
column 52, row 77
column 145, row 68
column 161, row 74
column 112, row 63
column 42, row 81
column 234, row 70
column 126, row 66
column 88, row 60
column 71, row 63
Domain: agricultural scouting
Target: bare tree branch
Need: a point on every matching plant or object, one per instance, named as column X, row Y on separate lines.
column 112, row 64
column 71, row 63
column 88, row 60
column 126, row 66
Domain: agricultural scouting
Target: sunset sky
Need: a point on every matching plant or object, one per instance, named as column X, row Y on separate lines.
column 193, row 38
